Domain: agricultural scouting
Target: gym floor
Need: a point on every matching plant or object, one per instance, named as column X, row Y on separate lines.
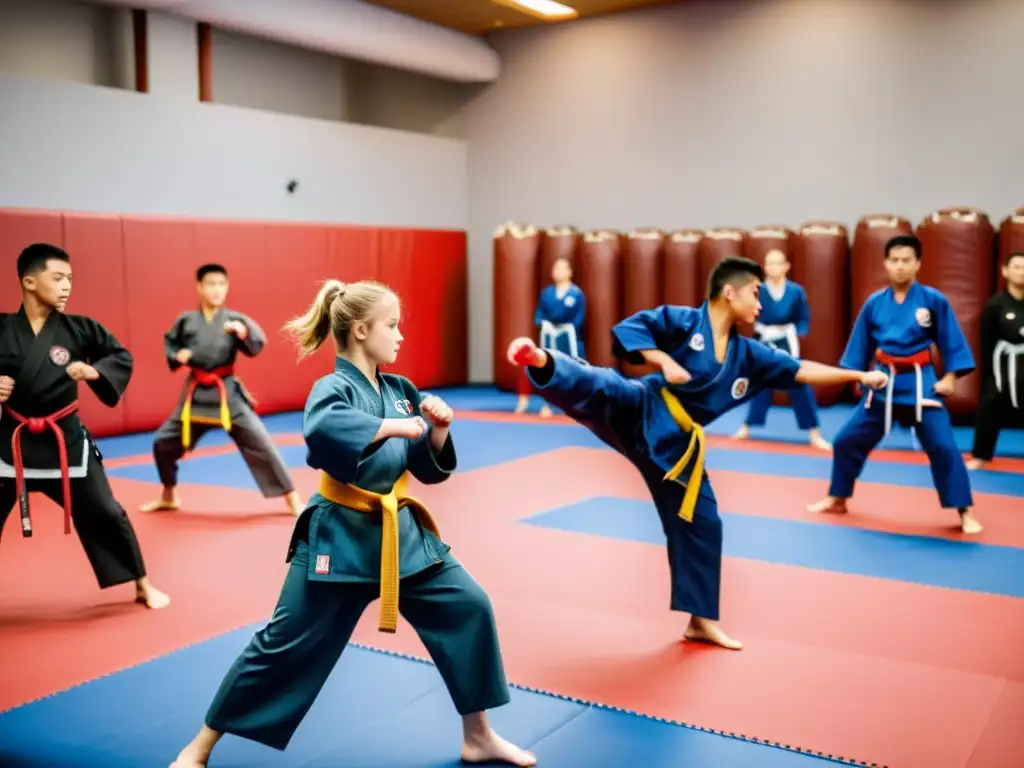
column 881, row 637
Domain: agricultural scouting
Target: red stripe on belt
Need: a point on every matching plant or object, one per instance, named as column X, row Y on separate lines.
column 214, row 378
column 37, row 425
column 904, row 363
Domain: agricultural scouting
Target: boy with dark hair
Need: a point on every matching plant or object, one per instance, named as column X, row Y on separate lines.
column 895, row 331
column 1002, row 362
column 707, row 368
column 207, row 340
column 44, row 446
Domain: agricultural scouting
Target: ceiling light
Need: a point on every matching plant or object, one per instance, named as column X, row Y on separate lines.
column 548, row 10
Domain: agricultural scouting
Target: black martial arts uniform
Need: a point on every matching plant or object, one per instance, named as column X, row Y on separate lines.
column 43, row 439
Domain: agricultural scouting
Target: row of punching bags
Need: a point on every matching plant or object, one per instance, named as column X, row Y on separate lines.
column 620, row 274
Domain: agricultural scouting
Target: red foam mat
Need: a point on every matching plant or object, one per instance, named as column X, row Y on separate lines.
column 887, row 672
column 143, row 268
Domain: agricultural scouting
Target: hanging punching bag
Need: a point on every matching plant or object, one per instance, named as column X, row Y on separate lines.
column 515, row 295
column 641, row 278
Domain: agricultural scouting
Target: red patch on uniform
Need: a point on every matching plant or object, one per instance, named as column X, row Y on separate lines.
column 323, row 563
column 59, row 355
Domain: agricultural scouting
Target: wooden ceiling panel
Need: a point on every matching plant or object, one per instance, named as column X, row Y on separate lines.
column 478, row 17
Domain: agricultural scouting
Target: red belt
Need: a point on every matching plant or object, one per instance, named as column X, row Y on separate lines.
column 214, row 378
column 904, row 363
column 37, row 425
column 901, row 364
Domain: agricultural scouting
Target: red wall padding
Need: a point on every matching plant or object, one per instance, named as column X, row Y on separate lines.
column 516, row 291
column 957, row 246
column 142, row 268
column 1011, row 240
column 600, row 279
column 641, row 280
column 821, row 264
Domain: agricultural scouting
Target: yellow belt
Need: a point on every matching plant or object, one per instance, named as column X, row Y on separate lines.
column 686, row 423
column 387, row 504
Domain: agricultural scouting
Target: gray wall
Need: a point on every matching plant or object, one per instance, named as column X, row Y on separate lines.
column 712, row 113
column 74, row 136
column 718, row 113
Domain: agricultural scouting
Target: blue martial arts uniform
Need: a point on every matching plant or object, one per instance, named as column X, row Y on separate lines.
column 659, row 427
column 560, row 317
column 784, row 319
column 335, row 570
column 897, row 337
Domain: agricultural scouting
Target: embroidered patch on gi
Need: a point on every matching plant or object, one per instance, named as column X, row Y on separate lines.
column 404, row 407
column 923, row 317
column 323, row 563
column 697, row 342
column 59, row 355
column 739, row 388
column 569, row 301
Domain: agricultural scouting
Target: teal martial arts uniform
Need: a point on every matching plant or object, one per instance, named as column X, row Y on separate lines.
column 658, row 427
column 336, row 566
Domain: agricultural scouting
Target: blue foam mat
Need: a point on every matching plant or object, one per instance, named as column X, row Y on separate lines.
column 483, row 444
column 377, row 709
column 780, row 427
column 961, row 565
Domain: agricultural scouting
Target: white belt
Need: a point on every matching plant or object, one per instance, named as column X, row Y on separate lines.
column 1012, row 352
column 920, row 402
column 788, row 332
column 549, row 333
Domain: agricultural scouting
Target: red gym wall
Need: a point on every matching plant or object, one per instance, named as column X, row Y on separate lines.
column 623, row 273
column 135, row 274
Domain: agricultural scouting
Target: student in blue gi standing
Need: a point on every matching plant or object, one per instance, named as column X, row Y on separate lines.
column 785, row 317
column 560, row 314
column 894, row 332
column 362, row 537
column 656, row 422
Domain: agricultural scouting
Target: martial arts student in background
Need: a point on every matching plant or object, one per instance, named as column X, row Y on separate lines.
column 1002, row 363
column 207, row 340
column 366, row 431
column 44, row 446
column 560, row 314
column 785, row 317
column 707, row 368
column 894, row 332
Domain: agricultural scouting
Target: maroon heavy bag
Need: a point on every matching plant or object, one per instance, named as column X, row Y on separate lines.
column 1011, row 240
column 867, row 267
column 600, row 279
column 515, row 295
column 681, row 284
column 957, row 246
column 757, row 242
column 821, row 264
column 556, row 243
column 641, row 280
column 717, row 244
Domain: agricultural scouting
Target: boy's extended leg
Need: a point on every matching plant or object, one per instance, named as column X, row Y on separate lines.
column 600, row 399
